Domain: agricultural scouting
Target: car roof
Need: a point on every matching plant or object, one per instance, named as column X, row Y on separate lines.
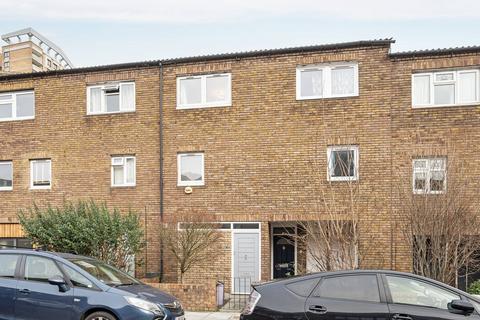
column 51, row 254
column 363, row 271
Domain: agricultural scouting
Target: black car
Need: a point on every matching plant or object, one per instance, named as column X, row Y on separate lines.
column 362, row 295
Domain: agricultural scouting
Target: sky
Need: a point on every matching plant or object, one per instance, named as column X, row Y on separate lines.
column 97, row 32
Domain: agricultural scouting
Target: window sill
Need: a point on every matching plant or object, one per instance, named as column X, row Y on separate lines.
column 343, row 179
column 190, row 185
column 109, row 113
column 123, row 186
column 40, row 188
column 327, row 98
column 203, row 106
column 6, row 189
column 17, row 119
column 474, row 104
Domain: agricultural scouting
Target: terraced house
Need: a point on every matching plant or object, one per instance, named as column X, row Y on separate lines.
column 252, row 141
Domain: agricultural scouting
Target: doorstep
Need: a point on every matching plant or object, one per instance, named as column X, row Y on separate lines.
column 190, row 315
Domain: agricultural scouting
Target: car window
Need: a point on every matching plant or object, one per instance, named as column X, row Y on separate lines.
column 410, row 291
column 40, row 269
column 8, row 263
column 303, row 288
column 77, row 279
column 351, row 287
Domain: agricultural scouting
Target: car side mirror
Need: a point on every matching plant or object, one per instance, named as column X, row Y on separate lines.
column 461, row 307
column 59, row 282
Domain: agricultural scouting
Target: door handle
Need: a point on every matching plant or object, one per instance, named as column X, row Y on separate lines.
column 399, row 316
column 318, row 309
column 24, row 291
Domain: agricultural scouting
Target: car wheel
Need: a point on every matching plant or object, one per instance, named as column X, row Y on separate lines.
column 100, row 316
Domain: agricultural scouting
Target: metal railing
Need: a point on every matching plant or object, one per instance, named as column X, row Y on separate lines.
column 233, row 293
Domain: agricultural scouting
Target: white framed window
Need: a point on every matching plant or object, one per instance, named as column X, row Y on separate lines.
column 429, row 175
column 111, row 98
column 445, row 88
column 6, row 175
column 342, row 163
column 211, row 90
column 41, row 174
column 18, row 105
column 123, row 171
column 191, row 169
column 327, row 81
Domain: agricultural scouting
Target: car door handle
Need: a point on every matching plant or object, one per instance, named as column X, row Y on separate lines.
column 24, row 291
column 318, row 309
column 399, row 316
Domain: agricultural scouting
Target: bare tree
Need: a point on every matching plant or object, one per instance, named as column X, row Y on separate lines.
column 191, row 244
column 330, row 234
column 441, row 220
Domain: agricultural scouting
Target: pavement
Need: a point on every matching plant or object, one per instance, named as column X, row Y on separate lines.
column 189, row 315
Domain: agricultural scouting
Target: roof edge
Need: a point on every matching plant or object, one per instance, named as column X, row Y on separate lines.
column 204, row 58
column 435, row 52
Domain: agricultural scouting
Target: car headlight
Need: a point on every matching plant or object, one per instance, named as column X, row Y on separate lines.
column 145, row 305
column 173, row 305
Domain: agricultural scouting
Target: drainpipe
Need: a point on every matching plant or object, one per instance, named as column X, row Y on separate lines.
column 160, row 78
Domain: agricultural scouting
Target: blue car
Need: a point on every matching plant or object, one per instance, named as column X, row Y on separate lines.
column 38, row 285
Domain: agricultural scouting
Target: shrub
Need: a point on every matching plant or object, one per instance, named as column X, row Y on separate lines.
column 85, row 228
column 474, row 287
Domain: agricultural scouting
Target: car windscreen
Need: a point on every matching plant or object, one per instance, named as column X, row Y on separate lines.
column 105, row 273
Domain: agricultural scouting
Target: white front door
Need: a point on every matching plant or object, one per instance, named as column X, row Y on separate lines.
column 246, row 260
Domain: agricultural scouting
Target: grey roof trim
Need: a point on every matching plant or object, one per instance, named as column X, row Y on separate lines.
column 436, row 52
column 31, row 32
column 206, row 58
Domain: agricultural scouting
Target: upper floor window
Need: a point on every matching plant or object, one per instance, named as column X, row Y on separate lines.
column 17, row 105
column 212, row 90
column 6, row 54
column 342, row 163
column 445, row 88
column 6, row 175
column 41, row 174
column 190, row 169
column 327, row 81
column 111, row 98
column 123, row 171
column 429, row 175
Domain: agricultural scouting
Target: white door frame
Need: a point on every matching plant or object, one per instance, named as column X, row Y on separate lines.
column 282, row 225
column 232, row 244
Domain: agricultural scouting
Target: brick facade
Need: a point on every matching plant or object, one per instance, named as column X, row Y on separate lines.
column 265, row 155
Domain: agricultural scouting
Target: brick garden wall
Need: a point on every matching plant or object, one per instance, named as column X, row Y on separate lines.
column 194, row 297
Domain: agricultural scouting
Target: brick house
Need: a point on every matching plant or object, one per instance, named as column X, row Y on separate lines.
column 247, row 140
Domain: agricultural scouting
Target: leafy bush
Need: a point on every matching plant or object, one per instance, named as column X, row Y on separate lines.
column 85, row 228
column 474, row 287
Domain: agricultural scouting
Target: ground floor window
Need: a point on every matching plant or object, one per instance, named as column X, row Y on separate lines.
column 6, row 243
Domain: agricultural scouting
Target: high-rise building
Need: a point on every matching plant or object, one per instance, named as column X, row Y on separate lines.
column 27, row 50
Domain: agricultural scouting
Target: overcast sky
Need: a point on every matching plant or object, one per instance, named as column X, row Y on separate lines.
column 94, row 32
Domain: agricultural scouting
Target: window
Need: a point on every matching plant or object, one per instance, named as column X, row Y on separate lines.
column 190, row 169
column 6, row 175
column 6, row 65
column 111, row 98
column 409, row 291
column 123, row 171
column 6, row 54
column 213, row 90
column 327, row 81
column 358, row 288
column 8, row 264
column 41, row 269
column 77, row 279
column 445, row 88
column 17, row 105
column 302, row 288
column 342, row 163
column 15, row 243
column 41, row 174
column 429, row 175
